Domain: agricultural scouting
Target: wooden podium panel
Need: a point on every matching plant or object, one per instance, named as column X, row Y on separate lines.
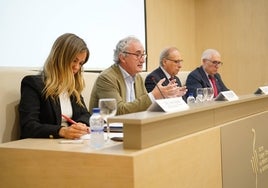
column 146, row 134
column 244, row 107
column 191, row 161
column 245, row 152
column 24, row 164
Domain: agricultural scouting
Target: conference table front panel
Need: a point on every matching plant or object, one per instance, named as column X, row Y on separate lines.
column 245, row 152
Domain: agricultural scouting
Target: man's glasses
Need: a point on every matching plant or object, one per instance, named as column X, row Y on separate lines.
column 217, row 63
column 139, row 56
column 175, row 61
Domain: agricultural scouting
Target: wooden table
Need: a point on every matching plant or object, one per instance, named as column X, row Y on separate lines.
column 209, row 146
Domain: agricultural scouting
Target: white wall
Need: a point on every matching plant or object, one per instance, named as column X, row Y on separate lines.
column 29, row 28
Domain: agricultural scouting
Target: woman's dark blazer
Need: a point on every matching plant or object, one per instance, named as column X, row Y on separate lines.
column 40, row 117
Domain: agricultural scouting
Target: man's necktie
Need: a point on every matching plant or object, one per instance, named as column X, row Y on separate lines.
column 171, row 78
column 213, row 81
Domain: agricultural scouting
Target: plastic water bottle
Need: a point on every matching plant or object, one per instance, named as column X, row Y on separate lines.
column 190, row 99
column 96, row 125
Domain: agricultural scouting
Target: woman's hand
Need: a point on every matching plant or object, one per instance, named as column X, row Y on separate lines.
column 74, row 131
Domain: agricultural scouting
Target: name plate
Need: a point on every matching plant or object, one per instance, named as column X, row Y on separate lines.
column 226, row 96
column 262, row 90
column 168, row 105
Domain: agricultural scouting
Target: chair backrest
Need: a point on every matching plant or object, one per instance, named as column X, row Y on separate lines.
column 183, row 76
column 9, row 96
column 143, row 75
column 90, row 78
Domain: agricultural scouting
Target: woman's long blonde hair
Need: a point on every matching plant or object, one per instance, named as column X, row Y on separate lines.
column 58, row 74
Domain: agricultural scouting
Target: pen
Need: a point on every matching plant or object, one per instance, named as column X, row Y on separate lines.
column 68, row 119
column 71, row 141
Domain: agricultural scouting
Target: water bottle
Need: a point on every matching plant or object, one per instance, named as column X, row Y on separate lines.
column 190, row 99
column 96, row 126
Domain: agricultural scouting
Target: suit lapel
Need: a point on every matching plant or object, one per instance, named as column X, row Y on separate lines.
column 217, row 83
column 121, row 80
column 57, row 111
column 204, row 77
column 178, row 81
column 162, row 75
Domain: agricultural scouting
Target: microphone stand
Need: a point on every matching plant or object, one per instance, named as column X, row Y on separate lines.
column 153, row 79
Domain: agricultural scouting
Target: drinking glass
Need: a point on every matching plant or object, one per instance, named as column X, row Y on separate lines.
column 210, row 94
column 200, row 95
column 108, row 108
column 205, row 94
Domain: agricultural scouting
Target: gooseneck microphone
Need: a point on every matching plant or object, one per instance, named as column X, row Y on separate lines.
column 153, row 79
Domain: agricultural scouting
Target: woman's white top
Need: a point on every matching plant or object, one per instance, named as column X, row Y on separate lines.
column 66, row 107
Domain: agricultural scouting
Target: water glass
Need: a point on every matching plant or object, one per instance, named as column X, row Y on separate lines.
column 200, row 95
column 108, row 108
column 210, row 93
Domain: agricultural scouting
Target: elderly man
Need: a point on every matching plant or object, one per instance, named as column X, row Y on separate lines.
column 207, row 74
column 169, row 65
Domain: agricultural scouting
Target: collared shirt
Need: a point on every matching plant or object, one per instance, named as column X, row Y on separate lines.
column 166, row 73
column 208, row 77
column 129, row 80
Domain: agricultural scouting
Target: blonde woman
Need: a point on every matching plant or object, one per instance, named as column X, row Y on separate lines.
column 51, row 105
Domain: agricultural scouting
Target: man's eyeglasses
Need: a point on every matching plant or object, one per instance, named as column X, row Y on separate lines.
column 175, row 61
column 139, row 56
column 217, row 63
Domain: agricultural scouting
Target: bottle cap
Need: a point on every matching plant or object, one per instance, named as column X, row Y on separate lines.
column 96, row 110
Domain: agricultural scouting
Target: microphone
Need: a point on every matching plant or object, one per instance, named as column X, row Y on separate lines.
column 153, row 79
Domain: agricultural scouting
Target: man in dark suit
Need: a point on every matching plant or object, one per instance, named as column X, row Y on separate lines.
column 170, row 64
column 207, row 74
